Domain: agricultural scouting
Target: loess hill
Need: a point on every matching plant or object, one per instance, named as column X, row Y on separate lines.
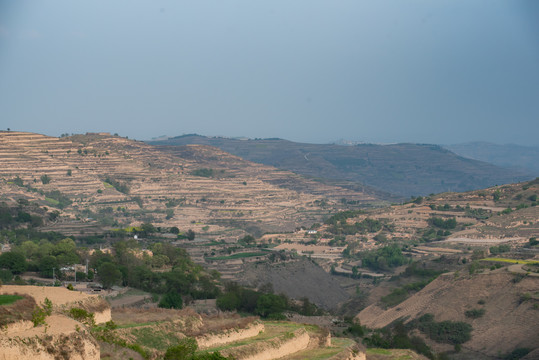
column 99, row 181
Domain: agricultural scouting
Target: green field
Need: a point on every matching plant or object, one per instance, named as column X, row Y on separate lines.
column 52, row 201
column 512, row 261
column 9, row 299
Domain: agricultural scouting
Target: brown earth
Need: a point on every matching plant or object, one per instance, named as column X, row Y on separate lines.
column 508, row 322
column 59, row 336
column 237, row 193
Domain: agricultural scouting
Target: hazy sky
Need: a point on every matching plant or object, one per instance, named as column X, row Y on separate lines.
column 306, row 70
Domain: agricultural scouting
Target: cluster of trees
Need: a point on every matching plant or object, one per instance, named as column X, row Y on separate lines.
column 54, row 197
column 203, row 172
column 443, row 224
column 397, row 337
column 384, row 258
column 40, row 252
column 479, row 214
column 185, row 279
column 342, row 216
column 146, row 230
column 263, row 303
column 503, row 248
column 430, row 234
column 13, row 217
column 449, row 332
column 119, row 186
column 447, row 207
column 365, row 226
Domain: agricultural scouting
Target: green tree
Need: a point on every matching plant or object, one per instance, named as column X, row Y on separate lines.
column 269, row 304
column 171, row 300
column 30, row 249
column 5, row 276
column 147, row 229
column 228, row 302
column 13, row 261
column 46, row 266
column 45, row 179
column 109, row 274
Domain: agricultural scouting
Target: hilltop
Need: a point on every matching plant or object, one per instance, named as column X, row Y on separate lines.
column 401, row 169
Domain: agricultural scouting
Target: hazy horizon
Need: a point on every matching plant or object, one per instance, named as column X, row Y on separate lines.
column 447, row 72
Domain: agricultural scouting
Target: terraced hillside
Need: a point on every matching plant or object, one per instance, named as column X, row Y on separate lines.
column 100, row 181
column 403, row 169
column 154, row 331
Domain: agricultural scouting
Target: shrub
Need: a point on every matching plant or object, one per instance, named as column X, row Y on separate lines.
column 82, row 316
column 119, row 186
column 443, row 224
column 184, row 350
column 355, row 330
column 524, row 297
column 384, row 258
column 45, row 179
column 446, row 331
column 499, row 249
column 40, row 313
column 474, row 313
column 517, row 354
column 270, row 304
column 171, row 300
column 203, row 172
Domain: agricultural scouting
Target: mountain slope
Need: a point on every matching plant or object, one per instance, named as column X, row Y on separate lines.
column 403, row 169
column 506, row 322
column 109, row 181
column 509, row 155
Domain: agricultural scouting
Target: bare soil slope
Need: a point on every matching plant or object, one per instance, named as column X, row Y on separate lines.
column 510, row 319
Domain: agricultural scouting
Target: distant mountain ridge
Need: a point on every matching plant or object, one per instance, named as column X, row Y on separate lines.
column 508, row 155
column 402, row 169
